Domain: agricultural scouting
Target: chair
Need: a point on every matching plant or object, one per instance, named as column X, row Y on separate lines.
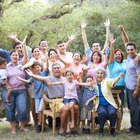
column 48, row 112
column 119, row 111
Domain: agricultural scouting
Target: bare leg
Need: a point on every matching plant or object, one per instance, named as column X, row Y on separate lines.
column 71, row 106
column 39, row 118
column 22, row 127
column 34, row 115
column 13, row 126
column 76, row 117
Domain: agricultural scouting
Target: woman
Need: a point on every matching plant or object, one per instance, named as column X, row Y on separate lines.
column 105, row 104
column 116, row 65
column 96, row 60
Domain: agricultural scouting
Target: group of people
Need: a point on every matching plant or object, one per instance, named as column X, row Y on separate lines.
column 72, row 83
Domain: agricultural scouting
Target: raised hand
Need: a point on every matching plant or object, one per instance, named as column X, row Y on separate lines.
column 107, row 23
column 83, row 24
column 12, row 36
column 72, row 37
column 112, row 40
column 121, row 27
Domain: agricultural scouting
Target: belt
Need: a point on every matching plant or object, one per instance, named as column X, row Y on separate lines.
column 57, row 98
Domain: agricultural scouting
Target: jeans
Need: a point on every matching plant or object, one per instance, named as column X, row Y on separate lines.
column 18, row 100
column 107, row 112
column 134, row 103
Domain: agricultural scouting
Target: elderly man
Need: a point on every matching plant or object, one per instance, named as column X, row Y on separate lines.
column 55, row 94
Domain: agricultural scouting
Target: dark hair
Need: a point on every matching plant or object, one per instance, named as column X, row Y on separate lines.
column 60, row 42
column 12, row 52
column 34, row 49
column 98, row 53
column 2, row 60
column 49, row 51
column 88, row 77
column 69, row 71
column 131, row 44
column 122, row 54
column 41, row 41
column 17, row 43
column 78, row 53
column 37, row 64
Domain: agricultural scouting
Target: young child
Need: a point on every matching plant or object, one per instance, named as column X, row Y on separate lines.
column 38, row 87
column 3, row 79
column 89, row 93
column 70, row 96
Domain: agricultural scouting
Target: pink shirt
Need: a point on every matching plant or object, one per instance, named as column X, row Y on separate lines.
column 91, row 71
column 12, row 73
column 67, row 56
column 70, row 89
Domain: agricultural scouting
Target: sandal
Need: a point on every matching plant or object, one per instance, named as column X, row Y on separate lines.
column 24, row 130
column 62, row 134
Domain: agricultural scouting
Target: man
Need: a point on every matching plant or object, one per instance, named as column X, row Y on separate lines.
column 133, row 87
column 55, row 94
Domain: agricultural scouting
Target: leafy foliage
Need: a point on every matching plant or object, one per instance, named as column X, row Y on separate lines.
column 57, row 19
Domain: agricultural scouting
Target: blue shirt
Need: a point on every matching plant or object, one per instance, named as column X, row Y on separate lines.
column 115, row 69
column 88, row 94
column 102, row 100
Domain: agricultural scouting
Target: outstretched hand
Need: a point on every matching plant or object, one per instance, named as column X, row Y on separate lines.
column 83, row 24
column 107, row 23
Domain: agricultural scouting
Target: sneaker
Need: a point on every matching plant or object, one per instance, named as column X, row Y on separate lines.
column 113, row 132
column 87, row 131
column 84, row 130
column 38, row 129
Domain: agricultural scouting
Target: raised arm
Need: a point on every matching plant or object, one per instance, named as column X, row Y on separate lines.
column 111, row 56
column 118, row 78
column 70, row 39
column 125, row 37
column 107, row 25
column 84, row 36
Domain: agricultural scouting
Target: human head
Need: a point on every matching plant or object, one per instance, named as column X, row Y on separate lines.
column 3, row 63
column 19, row 48
column 52, row 54
column 131, row 49
column 69, row 75
column 61, row 46
column 37, row 67
column 118, row 55
column 56, row 70
column 36, row 52
column 89, row 79
column 43, row 45
column 14, row 56
column 96, row 47
column 100, row 73
column 76, row 57
column 96, row 57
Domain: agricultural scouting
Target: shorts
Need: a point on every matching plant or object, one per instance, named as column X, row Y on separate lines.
column 31, row 91
column 72, row 100
column 38, row 105
column 85, row 114
column 58, row 105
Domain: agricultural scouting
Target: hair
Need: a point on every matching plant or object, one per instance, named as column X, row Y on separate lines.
column 54, row 64
column 88, row 77
column 78, row 53
column 131, row 44
column 12, row 52
column 41, row 41
column 122, row 54
column 2, row 60
column 98, row 53
column 34, row 49
column 49, row 51
column 17, row 43
column 69, row 71
column 37, row 64
column 102, row 69
column 60, row 42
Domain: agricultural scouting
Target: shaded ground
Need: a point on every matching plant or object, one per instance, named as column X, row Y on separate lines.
column 47, row 135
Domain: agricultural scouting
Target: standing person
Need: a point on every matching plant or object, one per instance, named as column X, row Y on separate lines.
column 89, row 93
column 55, row 94
column 3, row 79
column 105, row 104
column 38, row 87
column 116, row 65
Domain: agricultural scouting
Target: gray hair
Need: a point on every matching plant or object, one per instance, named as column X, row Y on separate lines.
column 102, row 69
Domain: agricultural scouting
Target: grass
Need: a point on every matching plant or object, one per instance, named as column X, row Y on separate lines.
column 5, row 133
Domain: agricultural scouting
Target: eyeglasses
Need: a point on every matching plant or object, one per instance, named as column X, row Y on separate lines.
column 56, row 68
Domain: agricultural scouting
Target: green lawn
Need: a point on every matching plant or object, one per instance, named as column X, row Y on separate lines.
column 47, row 135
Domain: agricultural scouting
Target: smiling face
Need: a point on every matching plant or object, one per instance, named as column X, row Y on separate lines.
column 52, row 55
column 100, row 75
column 76, row 58
column 19, row 50
column 118, row 56
column 61, row 47
column 56, row 70
column 96, row 57
column 96, row 47
column 69, row 76
column 131, row 51
column 14, row 57
column 43, row 46
column 36, row 53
